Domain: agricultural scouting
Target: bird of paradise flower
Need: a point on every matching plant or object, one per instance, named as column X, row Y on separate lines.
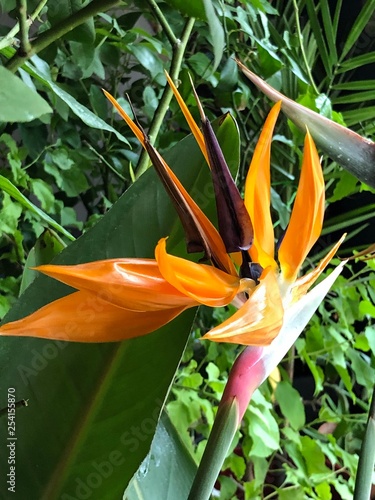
column 137, row 296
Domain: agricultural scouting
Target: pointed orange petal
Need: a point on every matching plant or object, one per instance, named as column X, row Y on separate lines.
column 258, row 321
column 302, row 285
column 205, row 284
column 134, row 284
column 306, row 220
column 210, row 235
column 188, row 117
column 258, row 195
column 201, row 233
column 83, row 317
column 134, row 128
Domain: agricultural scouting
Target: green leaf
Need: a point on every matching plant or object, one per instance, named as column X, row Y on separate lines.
column 147, row 57
column 263, row 427
column 216, row 33
column 191, row 9
column 355, row 85
column 168, row 470
column 291, row 404
column 47, row 246
column 99, row 403
column 358, row 26
column 314, row 457
column 346, row 185
column 40, row 70
column 18, row 102
column 10, row 189
column 354, row 116
column 10, row 212
column 356, row 62
column 85, row 33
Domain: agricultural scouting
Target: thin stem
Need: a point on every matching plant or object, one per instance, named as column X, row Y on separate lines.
column 304, row 57
column 163, row 22
column 363, row 481
column 24, row 27
column 101, row 157
column 177, row 55
column 47, row 37
column 290, row 363
column 9, row 38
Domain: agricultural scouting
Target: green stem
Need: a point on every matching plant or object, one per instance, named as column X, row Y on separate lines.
column 47, row 37
column 9, row 38
column 366, row 462
column 304, row 57
column 163, row 22
column 177, row 54
column 24, row 27
column 218, row 444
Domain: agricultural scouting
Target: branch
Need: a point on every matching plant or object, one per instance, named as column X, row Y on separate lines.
column 9, row 38
column 47, row 37
column 177, row 55
column 163, row 22
column 24, row 27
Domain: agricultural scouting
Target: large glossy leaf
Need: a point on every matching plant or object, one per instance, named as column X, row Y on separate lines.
column 168, row 470
column 93, row 409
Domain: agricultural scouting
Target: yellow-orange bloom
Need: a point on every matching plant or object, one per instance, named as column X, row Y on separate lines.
column 123, row 298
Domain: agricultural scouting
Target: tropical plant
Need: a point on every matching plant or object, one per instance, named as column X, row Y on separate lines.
column 70, row 169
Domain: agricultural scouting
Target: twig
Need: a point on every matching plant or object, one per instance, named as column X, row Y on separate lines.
column 24, row 27
column 304, row 57
column 9, row 38
column 47, row 37
column 163, row 22
column 178, row 51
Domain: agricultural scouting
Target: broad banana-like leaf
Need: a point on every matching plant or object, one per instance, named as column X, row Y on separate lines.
column 93, row 408
column 350, row 150
column 168, row 470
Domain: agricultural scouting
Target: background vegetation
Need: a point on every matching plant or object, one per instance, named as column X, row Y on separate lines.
column 66, row 159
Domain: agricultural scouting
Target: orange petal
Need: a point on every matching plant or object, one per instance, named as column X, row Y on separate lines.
column 134, row 284
column 258, row 195
column 306, row 220
column 211, row 238
column 134, row 128
column 258, row 321
column 205, row 284
column 84, row 317
column 188, row 117
column 302, row 285
column 201, row 233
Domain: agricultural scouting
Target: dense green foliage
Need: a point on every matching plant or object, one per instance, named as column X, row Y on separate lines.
column 66, row 159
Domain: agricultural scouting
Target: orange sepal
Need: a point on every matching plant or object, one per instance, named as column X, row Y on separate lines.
column 302, row 285
column 258, row 194
column 189, row 212
column 258, row 321
column 134, row 128
column 205, row 284
column 306, row 220
column 188, row 117
column 84, row 317
column 134, row 284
